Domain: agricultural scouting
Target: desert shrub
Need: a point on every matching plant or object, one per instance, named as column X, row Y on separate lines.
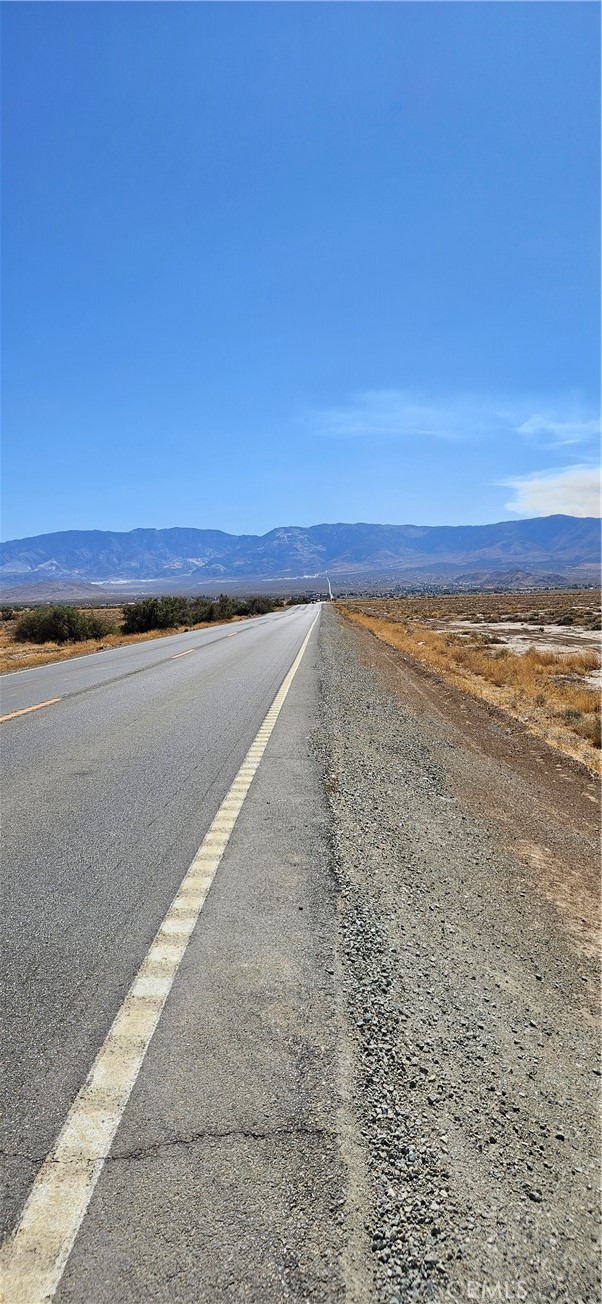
column 201, row 610
column 154, row 613
column 60, row 624
column 575, row 663
column 7, row 613
column 575, row 697
column 98, row 626
column 174, row 612
column 590, row 727
column 224, row 607
column 254, row 606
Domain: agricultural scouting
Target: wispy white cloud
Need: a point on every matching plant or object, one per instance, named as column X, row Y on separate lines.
column 400, row 413
column 573, row 430
column 573, row 491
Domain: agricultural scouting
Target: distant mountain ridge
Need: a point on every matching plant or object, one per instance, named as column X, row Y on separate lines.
column 562, row 543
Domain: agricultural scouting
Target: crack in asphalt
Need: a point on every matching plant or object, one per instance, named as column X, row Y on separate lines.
column 207, row 1134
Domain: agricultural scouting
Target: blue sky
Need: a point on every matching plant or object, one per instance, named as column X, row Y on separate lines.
column 275, row 264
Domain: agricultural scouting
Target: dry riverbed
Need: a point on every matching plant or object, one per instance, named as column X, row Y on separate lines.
column 465, row 852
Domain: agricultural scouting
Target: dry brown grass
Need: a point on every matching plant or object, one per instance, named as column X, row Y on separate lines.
column 566, row 607
column 544, row 689
column 20, row 656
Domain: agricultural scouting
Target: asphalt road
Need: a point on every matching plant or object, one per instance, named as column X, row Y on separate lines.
column 107, row 794
column 373, row 1075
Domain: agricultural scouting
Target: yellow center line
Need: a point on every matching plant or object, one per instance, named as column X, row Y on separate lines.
column 26, row 709
column 183, row 654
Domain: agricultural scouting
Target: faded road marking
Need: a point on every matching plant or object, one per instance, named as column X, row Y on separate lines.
column 12, row 715
column 184, row 654
column 33, row 1259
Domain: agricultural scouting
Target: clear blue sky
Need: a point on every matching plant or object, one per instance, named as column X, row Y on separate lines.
column 275, row 264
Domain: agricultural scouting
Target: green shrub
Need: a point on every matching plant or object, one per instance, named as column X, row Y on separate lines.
column 256, row 606
column 224, row 607
column 201, row 610
column 60, row 624
column 173, row 612
column 98, row 626
column 140, row 617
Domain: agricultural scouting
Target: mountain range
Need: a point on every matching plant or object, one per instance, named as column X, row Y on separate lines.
column 198, row 559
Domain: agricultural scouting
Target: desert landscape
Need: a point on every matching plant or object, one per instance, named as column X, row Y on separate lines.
column 37, row 636
column 534, row 656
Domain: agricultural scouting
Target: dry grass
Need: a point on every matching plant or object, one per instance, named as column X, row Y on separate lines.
column 544, row 689
column 20, row 656
column 565, row 607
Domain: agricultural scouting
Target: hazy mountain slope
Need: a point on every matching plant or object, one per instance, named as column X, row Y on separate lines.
column 104, row 555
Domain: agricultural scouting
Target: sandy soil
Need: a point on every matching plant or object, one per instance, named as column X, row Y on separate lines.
column 520, row 636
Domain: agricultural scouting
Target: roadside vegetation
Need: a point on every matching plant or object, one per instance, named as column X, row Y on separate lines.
column 174, row 612
column 545, row 675
column 39, row 635
column 566, row 608
column 61, row 624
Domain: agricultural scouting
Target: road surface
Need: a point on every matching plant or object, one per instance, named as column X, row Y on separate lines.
column 108, row 792
column 375, row 1068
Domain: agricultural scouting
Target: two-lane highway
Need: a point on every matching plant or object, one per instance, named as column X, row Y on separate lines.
column 25, row 690
column 108, row 791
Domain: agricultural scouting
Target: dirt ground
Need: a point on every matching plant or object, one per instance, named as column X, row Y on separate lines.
column 565, row 607
column 540, row 664
column 559, row 799
column 467, row 852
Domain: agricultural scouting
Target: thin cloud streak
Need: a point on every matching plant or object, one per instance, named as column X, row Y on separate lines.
column 566, row 432
column 397, row 413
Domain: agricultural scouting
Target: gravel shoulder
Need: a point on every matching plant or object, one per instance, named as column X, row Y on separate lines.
column 467, row 873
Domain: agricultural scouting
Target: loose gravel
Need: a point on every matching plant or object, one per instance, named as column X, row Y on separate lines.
column 474, row 1071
